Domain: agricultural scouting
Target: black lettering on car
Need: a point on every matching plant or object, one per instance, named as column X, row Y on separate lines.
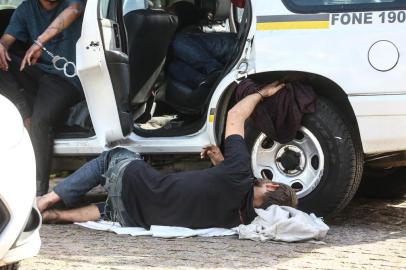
column 345, row 19
column 335, row 18
column 392, row 17
column 368, row 18
column 359, row 18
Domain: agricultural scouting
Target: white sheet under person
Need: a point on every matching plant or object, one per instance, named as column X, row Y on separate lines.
column 277, row 223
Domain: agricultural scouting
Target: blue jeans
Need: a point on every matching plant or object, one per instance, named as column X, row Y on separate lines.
column 202, row 52
column 106, row 170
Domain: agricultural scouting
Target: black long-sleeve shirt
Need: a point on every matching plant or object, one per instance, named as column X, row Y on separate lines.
column 206, row 198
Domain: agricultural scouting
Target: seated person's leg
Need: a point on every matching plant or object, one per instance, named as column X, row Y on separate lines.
column 54, row 97
column 188, row 49
column 182, row 72
column 19, row 86
column 10, row 89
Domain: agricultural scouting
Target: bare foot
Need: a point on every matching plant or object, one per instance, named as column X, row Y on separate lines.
column 50, row 216
column 47, row 200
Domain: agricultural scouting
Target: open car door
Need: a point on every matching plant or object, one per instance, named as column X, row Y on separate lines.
column 103, row 70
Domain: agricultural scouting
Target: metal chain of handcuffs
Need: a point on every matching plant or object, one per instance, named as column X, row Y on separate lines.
column 60, row 63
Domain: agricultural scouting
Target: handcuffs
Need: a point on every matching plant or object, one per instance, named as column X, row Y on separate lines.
column 59, row 62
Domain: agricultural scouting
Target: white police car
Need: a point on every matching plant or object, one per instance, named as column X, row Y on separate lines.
column 350, row 51
column 19, row 219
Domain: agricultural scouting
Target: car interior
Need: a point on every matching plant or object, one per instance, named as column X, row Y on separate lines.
column 153, row 109
column 144, row 105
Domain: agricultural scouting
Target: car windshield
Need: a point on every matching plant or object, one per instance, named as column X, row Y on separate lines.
column 9, row 3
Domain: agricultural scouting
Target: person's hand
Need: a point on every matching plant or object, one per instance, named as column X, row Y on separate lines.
column 4, row 57
column 213, row 153
column 31, row 56
column 271, row 89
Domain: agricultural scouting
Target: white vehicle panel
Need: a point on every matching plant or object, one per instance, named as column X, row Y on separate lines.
column 17, row 170
column 79, row 147
column 339, row 52
column 381, row 121
column 95, row 78
column 180, row 144
column 27, row 250
column 360, row 51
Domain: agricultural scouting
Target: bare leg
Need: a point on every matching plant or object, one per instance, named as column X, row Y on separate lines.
column 83, row 214
column 47, row 200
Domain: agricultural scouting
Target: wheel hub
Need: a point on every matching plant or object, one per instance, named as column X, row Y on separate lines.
column 290, row 160
column 299, row 164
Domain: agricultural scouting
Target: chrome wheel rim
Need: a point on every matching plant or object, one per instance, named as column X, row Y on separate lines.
column 299, row 163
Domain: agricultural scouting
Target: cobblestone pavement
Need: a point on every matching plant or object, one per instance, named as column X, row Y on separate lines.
column 368, row 234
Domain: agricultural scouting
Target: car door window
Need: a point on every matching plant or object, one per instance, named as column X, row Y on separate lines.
column 130, row 5
column 110, row 15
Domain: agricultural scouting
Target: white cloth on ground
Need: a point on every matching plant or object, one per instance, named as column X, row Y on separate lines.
column 283, row 223
column 278, row 223
column 156, row 231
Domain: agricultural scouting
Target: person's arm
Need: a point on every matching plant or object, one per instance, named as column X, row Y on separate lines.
column 212, row 152
column 5, row 42
column 61, row 22
column 238, row 114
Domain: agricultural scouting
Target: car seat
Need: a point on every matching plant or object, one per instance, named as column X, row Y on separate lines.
column 149, row 34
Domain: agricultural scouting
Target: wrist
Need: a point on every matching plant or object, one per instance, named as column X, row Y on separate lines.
column 3, row 44
column 260, row 94
column 41, row 38
column 38, row 43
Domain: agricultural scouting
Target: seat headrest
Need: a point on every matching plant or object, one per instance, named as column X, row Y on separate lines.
column 222, row 10
column 219, row 8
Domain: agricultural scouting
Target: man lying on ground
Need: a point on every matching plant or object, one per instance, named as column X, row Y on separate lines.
column 138, row 195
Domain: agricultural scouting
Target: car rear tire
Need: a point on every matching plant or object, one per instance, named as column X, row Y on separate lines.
column 13, row 266
column 323, row 163
column 383, row 183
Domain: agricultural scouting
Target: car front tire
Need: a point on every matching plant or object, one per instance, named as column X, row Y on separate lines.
column 323, row 163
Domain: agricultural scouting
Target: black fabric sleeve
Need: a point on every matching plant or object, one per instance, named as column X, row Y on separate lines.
column 236, row 156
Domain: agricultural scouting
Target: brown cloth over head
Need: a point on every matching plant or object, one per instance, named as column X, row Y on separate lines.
column 280, row 116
